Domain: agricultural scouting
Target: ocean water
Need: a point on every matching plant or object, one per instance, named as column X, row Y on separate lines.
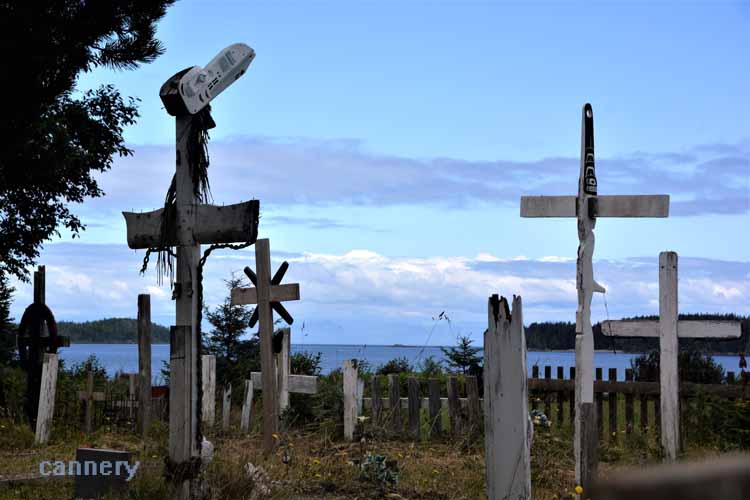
column 124, row 357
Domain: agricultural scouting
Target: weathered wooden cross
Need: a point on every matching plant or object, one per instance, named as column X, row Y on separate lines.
column 193, row 224
column 268, row 295
column 586, row 207
column 89, row 396
column 667, row 329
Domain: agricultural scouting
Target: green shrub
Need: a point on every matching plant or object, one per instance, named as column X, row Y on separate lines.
column 694, row 366
column 397, row 365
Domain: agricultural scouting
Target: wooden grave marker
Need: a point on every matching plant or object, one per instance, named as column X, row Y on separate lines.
column 47, row 391
column 89, row 396
column 208, row 380
column 192, row 224
column 668, row 329
column 267, row 294
column 587, row 206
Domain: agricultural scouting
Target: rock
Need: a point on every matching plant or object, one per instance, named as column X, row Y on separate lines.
column 260, row 479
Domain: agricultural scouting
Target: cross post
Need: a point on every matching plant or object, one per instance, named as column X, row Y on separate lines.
column 193, row 224
column 668, row 329
column 586, row 207
column 267, row 295
column 89, row 396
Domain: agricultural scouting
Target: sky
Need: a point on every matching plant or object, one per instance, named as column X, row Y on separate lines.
column 389, row 144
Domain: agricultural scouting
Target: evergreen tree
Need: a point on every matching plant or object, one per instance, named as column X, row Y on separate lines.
column 7, row 331
column 52, row 141
column 463, row 356
column 229, row 324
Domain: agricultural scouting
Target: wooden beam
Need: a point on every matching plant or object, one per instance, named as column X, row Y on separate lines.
column 236, row 223
column 669, row 378
column 247, row 406
column 208, row 378
column 298, row 384
column 693, row 329
column 548, row 206
column 278, row 293
column 46, row 399
column 633, row 205
column 144, row 363
column 350, row 406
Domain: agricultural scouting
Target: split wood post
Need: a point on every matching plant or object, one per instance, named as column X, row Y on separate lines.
column 284, row 366
column 612, row 404
column 268, row 294
column 415, row 402
column 598, row 396
column 46, row 410
column 350, row 403
column 89, row 396
column 506, row 416
column 548, row 395
column 394, row 400
column 560, row 396
column 377, row 402
column 587, row 206
column 472, row 396
column 534, row 397
column 247, row 405
column 144, row 363
column 454, row 406
column 209, row 389
column 226, row 407
column 628, row 404
column 435, row 405
column 572, row 397
column 668, row 329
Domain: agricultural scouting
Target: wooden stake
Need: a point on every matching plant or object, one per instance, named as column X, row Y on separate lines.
column 247, row 405
column 208, row 411
column 350, row 395
column 144, row 363
column 394, row 400
column 414, row 408
column 46, row 410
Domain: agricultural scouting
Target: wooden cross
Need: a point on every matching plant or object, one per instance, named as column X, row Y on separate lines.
column 668, row 329
column 89, row 396
column 268, row 295
column 586, row 207
column 194, row 224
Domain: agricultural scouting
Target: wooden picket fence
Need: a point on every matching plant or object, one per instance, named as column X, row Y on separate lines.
column 112, row 411
column 420, row 408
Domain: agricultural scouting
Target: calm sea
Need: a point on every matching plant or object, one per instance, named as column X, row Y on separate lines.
column 124, row 357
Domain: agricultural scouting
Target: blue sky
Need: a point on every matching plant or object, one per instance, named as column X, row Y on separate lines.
column 389, row 143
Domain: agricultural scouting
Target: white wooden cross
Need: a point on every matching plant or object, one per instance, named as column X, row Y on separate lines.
column 667, row 329
column 586, row 207
column 268, row 295
column 194, row 224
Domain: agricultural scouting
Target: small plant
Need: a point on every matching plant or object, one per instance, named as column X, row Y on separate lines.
column 379, row 470
column 397, row 365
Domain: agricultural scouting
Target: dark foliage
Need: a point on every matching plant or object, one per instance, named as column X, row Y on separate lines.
column 305, row 363
column 397, row 365
column 693, row 366
column 53, row 141
column 8, row 353
column 110, row 331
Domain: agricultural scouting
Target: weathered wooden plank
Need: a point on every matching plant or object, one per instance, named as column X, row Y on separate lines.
column 179, row 392
column 144, row 363
column 560, row 397
column 95, row 396
column 278, row 293
column 350, row 404
column 548, row 206
column 669, row 349
column 612, row 407
column 436, row 424
column 629, row 404
column 414, row 410
column 454, row 406
column 377, row 402
column 284, row 366
column 535, row 397
column 685, row 328
column 572, row 395
column 247, row 406
column 656, row 205
column 47, row 392
column 226, row 407
column 208, row 367
column 394, row 398
column 300, row 384
column 725, row 477
column 267, row 360
column 643, row 403
column 235, row 223
column 472, row 394
column 598, row 398
column 589, row 453
column 547, row 396
column 506, row 415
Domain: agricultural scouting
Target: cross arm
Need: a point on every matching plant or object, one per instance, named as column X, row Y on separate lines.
column 685, row 329
column 279, row 293
column 300, row 384
column 236, row 223
column 94, row 396
column 607, row 206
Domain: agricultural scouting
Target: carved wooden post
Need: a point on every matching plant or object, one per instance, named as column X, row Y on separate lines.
column 247, row 404
column 506, row 415
column 46, row 399
column 144, row 363
column 209, row 389
column 350, row 403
